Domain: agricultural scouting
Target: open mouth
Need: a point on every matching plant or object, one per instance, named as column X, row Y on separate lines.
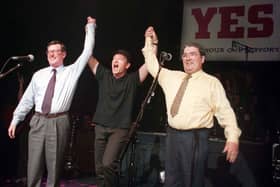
column 115, row 66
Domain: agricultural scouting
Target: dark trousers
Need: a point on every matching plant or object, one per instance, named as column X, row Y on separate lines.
column 186, row 156
column 47, row 142
column 109, row 142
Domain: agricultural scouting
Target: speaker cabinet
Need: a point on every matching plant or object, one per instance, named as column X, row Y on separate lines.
column 250, row 169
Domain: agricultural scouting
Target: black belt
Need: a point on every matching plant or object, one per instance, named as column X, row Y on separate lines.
column 51, row 115
column 188, row 130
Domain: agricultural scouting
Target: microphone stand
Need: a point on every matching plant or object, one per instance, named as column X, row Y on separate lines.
column 2, row 75
column 243, row 46
column 132, row 135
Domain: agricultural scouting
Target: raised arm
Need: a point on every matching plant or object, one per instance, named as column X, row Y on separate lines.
column 93, row 63
column 82, row 60
column 151, row 60
column 150, row 32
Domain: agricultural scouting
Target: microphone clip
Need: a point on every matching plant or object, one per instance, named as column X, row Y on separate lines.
column 164, row 57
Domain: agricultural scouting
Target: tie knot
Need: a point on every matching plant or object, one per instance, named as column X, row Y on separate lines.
column 188, row 76
column 54, row 70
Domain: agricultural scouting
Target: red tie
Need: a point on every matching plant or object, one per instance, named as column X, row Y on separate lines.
column 47, row 102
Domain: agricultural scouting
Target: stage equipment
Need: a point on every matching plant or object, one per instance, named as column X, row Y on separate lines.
column 276, row 159
column 166, row 56
column 28, row 58
column 238, row 45
column 252, row 167
column 132, row 134
column 70, row 168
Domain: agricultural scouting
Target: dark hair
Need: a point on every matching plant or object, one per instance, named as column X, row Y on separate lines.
column 54, row 42
column 124, row 53
column 201, row 49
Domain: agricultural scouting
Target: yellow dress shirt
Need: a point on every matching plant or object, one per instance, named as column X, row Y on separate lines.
column 203, row 99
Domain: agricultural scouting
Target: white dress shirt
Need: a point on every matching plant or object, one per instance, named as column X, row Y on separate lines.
column 66, row 82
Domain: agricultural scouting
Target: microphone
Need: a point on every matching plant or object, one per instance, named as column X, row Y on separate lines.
column 29, row 58
column 166, row 56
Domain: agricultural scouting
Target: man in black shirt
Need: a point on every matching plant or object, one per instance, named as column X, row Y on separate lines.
column 117, row 90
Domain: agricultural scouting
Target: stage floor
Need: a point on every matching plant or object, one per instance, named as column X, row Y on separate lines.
column 78, row 182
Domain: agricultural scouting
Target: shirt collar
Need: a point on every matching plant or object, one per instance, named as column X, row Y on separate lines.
column 197, row 74
column 58, row 69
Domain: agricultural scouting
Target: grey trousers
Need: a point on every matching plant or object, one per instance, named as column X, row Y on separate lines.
column 46, row 147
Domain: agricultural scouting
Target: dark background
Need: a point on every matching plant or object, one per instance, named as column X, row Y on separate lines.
column 27, row 26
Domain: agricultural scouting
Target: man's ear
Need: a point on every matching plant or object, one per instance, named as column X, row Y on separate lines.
column 64, row 54
column 127, row 65
column 203, row 59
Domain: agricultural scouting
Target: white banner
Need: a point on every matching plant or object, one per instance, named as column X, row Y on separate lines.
column 234, row 30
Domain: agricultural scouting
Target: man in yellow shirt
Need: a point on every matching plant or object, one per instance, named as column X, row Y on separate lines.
column 187, row 134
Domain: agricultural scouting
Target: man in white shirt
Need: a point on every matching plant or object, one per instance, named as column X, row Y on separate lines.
column 49, row 129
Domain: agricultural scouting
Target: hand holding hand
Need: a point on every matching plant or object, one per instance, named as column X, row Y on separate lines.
column 91, row 20
column 150, row 32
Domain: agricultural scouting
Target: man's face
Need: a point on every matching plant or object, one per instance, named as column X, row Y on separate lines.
column 192, row 60
column 55, row 55
column 120, row 65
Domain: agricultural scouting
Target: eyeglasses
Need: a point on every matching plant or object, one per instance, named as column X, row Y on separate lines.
column 191, row 54
column 54, row 51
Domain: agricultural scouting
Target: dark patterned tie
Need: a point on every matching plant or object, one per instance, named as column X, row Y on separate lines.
column 179, row 95
column 47, row 102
